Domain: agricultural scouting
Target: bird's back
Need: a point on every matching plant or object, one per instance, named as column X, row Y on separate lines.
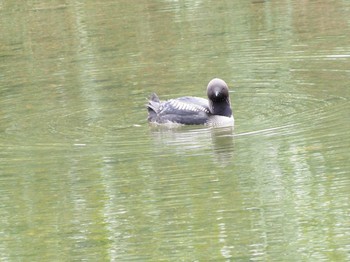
column 183, row 110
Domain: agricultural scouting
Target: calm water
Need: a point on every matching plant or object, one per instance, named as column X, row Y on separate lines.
column 83, row 177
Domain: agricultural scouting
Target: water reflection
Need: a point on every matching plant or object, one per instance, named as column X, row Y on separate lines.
column 218, row 143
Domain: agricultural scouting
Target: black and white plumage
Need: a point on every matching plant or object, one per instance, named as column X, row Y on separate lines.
column 189, row 110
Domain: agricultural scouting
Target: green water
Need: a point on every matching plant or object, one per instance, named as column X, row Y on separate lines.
column 83, row 177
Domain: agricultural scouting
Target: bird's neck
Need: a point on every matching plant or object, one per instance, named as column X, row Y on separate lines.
column 221, row 108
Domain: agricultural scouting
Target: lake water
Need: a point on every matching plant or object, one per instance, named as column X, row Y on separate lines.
column 83, row 177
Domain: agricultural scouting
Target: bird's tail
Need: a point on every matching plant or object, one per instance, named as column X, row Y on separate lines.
column 153, row 107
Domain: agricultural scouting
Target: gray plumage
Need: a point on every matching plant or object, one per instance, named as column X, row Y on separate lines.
column 189, row 110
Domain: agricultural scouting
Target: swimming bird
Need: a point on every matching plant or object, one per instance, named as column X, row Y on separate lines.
column 188, row 110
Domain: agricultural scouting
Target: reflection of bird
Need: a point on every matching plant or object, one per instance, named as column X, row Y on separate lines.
column 188, row 110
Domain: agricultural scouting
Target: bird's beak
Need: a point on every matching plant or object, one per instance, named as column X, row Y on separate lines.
column 217, row 93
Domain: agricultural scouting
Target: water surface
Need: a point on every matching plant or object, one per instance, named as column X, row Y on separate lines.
column 84, row 177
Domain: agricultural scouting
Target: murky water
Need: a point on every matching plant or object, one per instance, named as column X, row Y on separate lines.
column 84, row 177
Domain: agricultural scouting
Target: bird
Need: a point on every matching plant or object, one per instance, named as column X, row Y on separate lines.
column 189, row 110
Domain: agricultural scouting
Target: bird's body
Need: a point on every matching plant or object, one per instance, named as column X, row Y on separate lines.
column 189, row 110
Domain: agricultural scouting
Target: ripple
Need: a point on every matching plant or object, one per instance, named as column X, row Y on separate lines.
column 269, row 112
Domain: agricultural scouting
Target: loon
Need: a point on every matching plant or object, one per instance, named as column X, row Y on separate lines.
column 188, row 110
